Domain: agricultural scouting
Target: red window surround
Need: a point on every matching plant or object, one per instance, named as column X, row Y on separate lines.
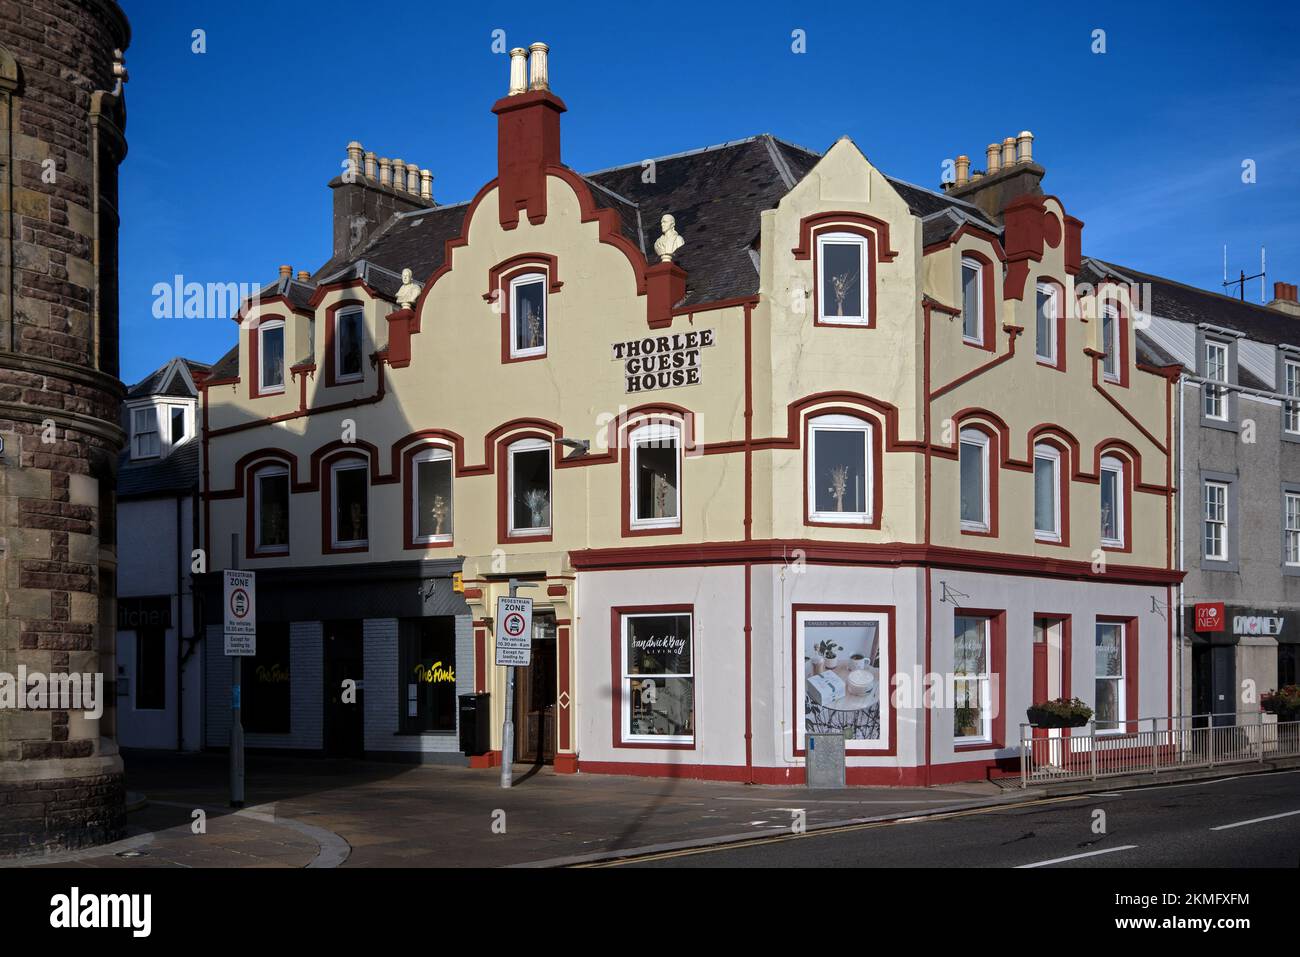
column 255, row 353
column 988, row 301
column 876, row 232
column 997, row 626
column 994, row 468
column 616, row 672
column 877, row 464
column 1123, row 318
column 1061, row 310
column 504, row 493
column 686, row 448
column 499, row 279
column 408, row 495
column 326, row 485
column 1131, row 673
column 250, row 505
column 1126, row 485
column 331, row 338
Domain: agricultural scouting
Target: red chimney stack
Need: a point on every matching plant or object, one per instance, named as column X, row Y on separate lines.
column 528, row 137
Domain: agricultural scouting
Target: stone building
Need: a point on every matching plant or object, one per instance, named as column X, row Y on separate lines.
column 62, row 122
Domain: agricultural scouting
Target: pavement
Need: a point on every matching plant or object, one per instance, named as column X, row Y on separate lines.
column 318, row 812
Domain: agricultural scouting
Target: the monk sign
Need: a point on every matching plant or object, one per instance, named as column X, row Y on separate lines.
column 662, row 362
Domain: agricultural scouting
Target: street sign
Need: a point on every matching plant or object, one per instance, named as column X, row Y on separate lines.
column 241, row 613
column 514, row 631
column 1209, row 616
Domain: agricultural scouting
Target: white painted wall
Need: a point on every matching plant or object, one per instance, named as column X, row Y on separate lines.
column 306, row 691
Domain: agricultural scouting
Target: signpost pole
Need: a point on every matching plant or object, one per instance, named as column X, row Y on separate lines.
column 508, row 729
column 240, row 639
column 236, row 724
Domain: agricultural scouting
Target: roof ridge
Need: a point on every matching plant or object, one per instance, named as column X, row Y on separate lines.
column 1264, row 310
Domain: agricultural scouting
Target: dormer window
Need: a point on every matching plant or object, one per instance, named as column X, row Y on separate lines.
column 1215, row 397
column 843, row 263
column 1046, row 324
column 178, row 433
column 145, row 441
column 270, row 356
column 528, row 316
column 349, row 339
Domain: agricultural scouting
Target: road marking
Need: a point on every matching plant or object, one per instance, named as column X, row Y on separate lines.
column 1075, row 857
column 1254, row 820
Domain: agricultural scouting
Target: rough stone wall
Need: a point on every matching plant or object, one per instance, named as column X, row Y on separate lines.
column 61, row 139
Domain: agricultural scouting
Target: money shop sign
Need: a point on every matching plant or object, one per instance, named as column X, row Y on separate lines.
column 662, row 362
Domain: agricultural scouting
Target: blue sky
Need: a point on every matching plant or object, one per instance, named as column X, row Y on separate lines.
column 231, row 150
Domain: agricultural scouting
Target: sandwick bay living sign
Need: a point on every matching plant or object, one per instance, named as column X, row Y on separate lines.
column 662, row 362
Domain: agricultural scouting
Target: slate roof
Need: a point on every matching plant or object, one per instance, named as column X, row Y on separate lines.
column 152, row 384
column 227, row 367
column 178, row 473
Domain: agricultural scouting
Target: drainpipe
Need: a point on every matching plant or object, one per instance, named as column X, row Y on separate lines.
column 180, row 607
column 1179, row 525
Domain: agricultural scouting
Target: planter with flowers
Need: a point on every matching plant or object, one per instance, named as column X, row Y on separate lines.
column 1059, row 713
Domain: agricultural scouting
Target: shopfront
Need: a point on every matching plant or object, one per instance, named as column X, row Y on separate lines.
column 1239, row 652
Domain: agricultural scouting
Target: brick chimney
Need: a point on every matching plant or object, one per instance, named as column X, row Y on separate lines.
column 369, row 192
column 1011, row 174
column 1284, row 298
column 528, row 137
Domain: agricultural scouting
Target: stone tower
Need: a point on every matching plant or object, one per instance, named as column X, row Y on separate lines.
column 62, row 122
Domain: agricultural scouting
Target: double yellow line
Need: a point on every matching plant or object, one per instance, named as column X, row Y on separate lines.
column 820, row 832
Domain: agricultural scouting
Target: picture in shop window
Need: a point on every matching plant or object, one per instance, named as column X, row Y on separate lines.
column 842, row 671
column 265, row 685
column 658, row 676
column 428, row 648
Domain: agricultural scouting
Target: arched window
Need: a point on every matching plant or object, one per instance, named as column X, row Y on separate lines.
column 270, row 525
column 528, row 315
column 528, row 485
column 1048, row 480
column 654, row 474
column 843, row 276
column 430, row 491
column 349, row 491
column 1113, row 495
column 974, row 460
column 270, row 356
column 840, row 478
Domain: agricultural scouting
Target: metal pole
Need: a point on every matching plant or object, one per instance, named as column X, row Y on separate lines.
column 508, row 731
column 236, row 726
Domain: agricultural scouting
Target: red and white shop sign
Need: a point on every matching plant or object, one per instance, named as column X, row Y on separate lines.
column 1209, row 616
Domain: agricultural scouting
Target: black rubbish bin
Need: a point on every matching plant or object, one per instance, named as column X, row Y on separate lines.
column 475, row 727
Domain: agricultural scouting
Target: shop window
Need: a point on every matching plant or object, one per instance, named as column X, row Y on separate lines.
column 350, row 484
column 1291, row 387
column 1112, row 502
column 1111, row 678
column 431, row 497
column 973, row 706
column 656, row 476
column 428, row 685
column 1047, row 493
column 1111, row 330
column 265, row 686
column 658, row 678
column 145, row 442
column 840, row 692
column 528, row 316
column 271, row 510
column 150, row 669
column 839, row 470
column 270, row 356
column 1215, row 397
column 843, row 265
column 349, row 346
column 1291, row 528
column 1215, row 525
column 1286, row 665
column 1046, row 321
column 972, row 301
column 974, row 466
column 530, row 487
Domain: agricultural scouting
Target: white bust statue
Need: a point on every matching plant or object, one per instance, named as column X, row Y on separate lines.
column 409, row 292
column 670, row 241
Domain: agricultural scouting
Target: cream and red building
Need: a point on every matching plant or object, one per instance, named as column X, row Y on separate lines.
column 845, row 433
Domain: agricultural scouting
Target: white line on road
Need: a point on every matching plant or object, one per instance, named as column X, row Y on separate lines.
column 1254, row 820
column 1075, row 857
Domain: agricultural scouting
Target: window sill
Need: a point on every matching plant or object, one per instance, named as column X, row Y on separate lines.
column 270, row 552
column 1048, row 538
column 524, row 356
column 970, row 744
column 852, row 322
column 265, row 393
column 971, row 528
column 854, row 520
column 349, row 380
column 674, row 743
column 425, row 734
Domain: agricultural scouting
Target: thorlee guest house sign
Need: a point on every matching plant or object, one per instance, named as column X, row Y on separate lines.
column 662, row 362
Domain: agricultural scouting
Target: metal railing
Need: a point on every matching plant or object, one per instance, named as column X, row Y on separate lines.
column 1152, row 745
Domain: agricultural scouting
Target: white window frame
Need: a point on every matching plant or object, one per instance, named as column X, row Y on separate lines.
column 269, row 471
column 1053, row 293
column 658, row 433
column 432, row 453
column 982, row 683
column 1110, row 463
column 137, row 433
column 1121, row 681
column 1214, row 398
column 339, row 377
column 626, row 737
column 841, row 423
column 1112, row 353
column 263, row 327
column 1291, row 387
column 864, row 273
column 530, row 445
column 1052, row 455
column 968, row 263
column 528, row 279
column 1291, row 529
column 335, row 468
column 1214, row 520
column 980, row 438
